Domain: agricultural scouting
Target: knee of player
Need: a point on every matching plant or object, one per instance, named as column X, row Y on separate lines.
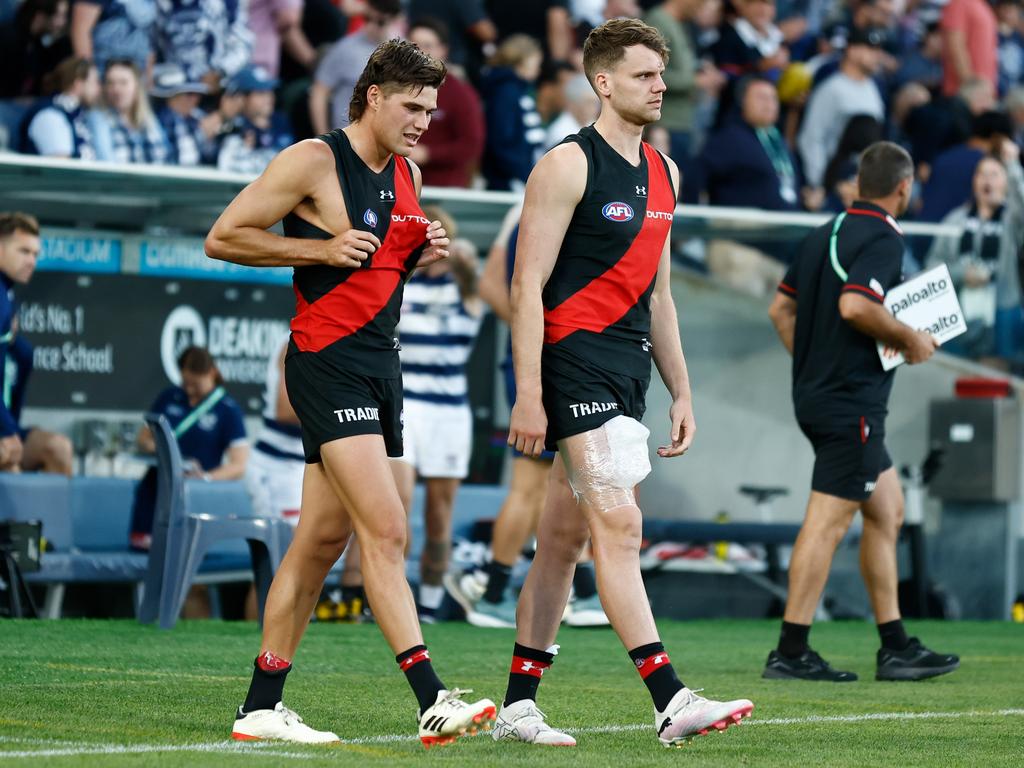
column 618, row 524
column 388, row 539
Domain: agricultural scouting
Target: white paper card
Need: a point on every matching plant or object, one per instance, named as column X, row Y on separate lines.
column 927, row 302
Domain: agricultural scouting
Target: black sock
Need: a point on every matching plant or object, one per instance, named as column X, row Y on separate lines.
column 425, row 683
column 893, row 635
column 498, row 575
column 528, row 664
column 583, row 581
column 267, row 684
column 657, row 673
column 793, row 639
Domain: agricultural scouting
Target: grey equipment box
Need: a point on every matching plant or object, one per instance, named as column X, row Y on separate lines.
column 982, row 449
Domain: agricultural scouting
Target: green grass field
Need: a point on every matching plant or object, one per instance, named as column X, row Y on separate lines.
column 113, row 693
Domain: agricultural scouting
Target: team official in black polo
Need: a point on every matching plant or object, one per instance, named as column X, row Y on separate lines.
column 829, row 314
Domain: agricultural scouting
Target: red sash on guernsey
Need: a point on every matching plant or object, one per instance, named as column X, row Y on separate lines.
column 353, row 303
column 607, row 298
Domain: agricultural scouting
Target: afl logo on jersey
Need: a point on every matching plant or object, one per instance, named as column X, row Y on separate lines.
column 370, row 218
column 617, row 212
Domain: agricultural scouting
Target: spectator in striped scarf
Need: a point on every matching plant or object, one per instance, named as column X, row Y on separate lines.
column 125, row 130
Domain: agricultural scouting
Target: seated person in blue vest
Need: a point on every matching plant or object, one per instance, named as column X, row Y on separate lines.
column 125, row 130
column 984, row 260
column 441, row 314
column 191, row 132
column 746, row 164
column 258, row 133
column 208, row 425
column 57, row 126
column 21, row 449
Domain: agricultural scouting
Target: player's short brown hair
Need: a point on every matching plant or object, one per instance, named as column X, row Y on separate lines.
column 883, row 166
column 394, row 66
column 606, row 45
column 18, row 222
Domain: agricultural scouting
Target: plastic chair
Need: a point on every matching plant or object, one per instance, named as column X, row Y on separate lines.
column 182, row 536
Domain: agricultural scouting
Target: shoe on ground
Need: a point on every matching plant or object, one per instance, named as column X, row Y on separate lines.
column 522, row 721
column 915, row 662
column 689, row 715
column 493, row 615
column 450, row 717
column 466, row 587
column 279, row 724
column 807, row 666
column 586, row 612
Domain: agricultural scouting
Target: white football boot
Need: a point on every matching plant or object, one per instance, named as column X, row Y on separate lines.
column 450, row 717
column 279, row 723
column 522, row 721
column 466, row 587
column 689, row 715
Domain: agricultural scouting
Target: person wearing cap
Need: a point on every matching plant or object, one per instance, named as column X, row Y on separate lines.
column 190, row 131
column 258, row 133
column 850, row 91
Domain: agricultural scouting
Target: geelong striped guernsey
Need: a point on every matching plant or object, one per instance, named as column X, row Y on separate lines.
column 437, row 335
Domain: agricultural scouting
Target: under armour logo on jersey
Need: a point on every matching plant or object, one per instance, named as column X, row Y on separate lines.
column 646, row 344
column 641, row 191
column 387, row 194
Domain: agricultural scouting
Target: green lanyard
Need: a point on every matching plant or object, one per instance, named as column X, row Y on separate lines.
column 7, row 338
column 772, row 143
column 200, row 410
column 833, row 247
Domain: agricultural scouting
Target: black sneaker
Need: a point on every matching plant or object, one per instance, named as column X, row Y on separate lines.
column 915, row 662
column 808, row 666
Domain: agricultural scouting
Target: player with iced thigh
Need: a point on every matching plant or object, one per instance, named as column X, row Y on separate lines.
column 829, row 314
column 591, row 305
column 353, row 230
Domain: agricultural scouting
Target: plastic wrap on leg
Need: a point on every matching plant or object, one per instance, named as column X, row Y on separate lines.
column 605, row 464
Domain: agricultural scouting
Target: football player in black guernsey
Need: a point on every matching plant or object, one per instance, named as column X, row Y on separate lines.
column 829, row 314
column 591, row 307
column 353, row 231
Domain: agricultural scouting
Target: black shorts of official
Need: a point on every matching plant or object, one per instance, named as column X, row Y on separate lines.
column 579, row 397
column 848, row 456
column 333, row 403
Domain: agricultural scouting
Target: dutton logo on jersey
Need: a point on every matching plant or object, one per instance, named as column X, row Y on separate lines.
column 617, row 212
column 370, row 218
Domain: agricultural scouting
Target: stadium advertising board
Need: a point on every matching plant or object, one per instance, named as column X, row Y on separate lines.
column 110, row 342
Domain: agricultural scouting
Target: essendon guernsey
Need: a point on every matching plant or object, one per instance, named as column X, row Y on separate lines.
column 350, row 314
column 597, row 301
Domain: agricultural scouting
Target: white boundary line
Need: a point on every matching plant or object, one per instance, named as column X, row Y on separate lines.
column 269, row 749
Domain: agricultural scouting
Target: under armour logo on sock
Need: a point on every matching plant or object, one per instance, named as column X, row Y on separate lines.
column 651, row 664
column 532, row 667
column 414, row 659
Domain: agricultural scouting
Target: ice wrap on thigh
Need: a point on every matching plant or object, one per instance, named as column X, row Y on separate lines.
column 605, row 464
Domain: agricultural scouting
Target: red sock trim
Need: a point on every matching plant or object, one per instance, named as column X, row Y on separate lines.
column 652, row 664
column 269, row 661
column 532, row 667
column 413, row 659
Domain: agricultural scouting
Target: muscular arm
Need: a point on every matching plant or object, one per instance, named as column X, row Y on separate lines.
column 240, row 234
column 553, row 190
column 783, row 316
column 668, row 351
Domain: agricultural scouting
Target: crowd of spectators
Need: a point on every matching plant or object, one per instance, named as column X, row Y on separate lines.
column 768, row 102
